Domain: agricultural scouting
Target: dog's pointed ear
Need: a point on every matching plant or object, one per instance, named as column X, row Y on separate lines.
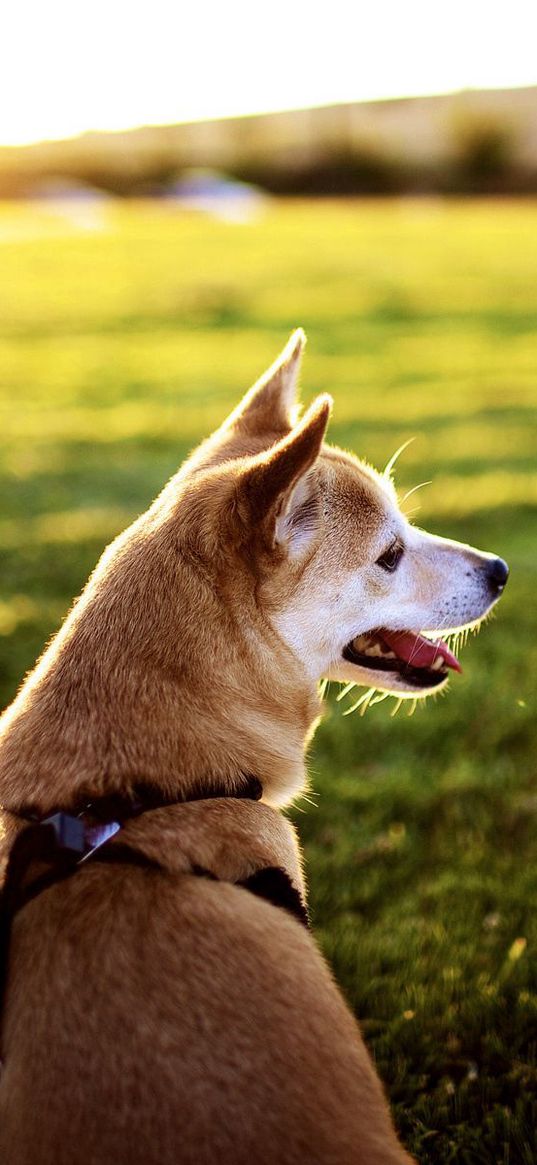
column 268, row 406
column 279, row 491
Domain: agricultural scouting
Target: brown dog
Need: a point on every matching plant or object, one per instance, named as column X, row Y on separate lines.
column 170, row 1008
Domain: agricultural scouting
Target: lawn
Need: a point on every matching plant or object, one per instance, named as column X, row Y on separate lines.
column 119, row 349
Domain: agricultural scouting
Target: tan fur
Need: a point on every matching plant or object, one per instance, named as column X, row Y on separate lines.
column 159, row 1016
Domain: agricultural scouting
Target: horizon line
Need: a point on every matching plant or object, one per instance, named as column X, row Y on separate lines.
column 263, row 112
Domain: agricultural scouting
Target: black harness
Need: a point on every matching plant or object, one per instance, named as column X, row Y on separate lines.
column 62, row 844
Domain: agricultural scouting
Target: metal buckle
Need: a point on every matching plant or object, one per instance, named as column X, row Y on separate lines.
column 76, row 837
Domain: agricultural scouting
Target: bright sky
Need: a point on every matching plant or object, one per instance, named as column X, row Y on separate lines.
column 70, row 66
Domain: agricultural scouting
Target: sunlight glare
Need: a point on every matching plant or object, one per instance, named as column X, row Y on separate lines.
column 72, row 68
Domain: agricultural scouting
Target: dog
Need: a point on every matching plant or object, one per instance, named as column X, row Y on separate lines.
column 164, row 1001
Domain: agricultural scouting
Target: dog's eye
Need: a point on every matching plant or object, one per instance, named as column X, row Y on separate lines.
column 391, row 557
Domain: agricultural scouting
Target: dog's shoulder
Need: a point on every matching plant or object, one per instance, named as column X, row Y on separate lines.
column 231, row 839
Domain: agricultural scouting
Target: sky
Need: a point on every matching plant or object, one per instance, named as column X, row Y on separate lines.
column 69, row 65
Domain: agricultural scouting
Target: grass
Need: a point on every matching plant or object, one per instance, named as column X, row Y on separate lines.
column 119, row 349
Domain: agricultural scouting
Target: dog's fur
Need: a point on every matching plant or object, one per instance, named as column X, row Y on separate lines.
column 158, row 1016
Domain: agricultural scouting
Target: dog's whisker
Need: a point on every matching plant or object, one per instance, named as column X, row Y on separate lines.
column 345, row 691
column 310, row 801
column 413, row 653
column 378, row 699
column 364, row 699
column 367, row 701
column 387, row 471
column 414, row 490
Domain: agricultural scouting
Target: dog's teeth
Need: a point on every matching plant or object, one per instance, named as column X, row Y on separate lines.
column 387, row 652
column 367, row 645
column 438, row 663
column 362, row 643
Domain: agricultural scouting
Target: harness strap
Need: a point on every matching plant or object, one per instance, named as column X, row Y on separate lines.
column 61, row 863
column 62, row 844
column 275, row 885
column 63, row 841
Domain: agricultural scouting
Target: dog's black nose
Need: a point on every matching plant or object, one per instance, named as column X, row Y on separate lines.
column 498, row 574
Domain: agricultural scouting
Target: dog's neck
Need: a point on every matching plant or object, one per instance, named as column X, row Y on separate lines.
column 125, row 695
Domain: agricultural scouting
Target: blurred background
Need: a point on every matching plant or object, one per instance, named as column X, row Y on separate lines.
column 177, row 192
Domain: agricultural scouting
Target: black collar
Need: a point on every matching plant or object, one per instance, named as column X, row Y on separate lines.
column 92, row 823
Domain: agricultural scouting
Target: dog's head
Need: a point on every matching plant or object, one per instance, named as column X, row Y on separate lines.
column 352, row 589
column 269, row 562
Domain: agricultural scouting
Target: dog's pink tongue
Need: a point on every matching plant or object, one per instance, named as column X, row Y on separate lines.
column 417, row 650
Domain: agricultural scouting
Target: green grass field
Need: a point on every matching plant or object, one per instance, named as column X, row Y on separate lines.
column 119, row 349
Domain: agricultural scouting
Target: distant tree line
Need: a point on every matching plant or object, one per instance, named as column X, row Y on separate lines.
column 482, row 160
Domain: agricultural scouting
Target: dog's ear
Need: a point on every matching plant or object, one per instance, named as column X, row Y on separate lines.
column 279, row 495
column 268, row 406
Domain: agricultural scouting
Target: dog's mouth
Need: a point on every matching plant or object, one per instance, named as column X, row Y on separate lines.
column 418, row 661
